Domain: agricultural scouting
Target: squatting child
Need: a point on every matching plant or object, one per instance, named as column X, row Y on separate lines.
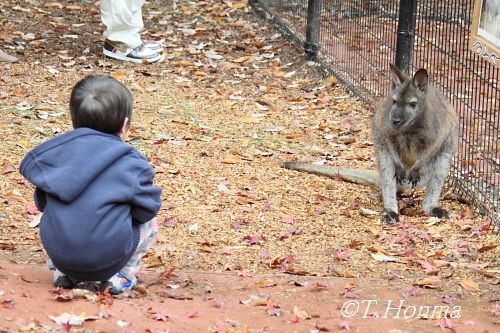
column 95, row 191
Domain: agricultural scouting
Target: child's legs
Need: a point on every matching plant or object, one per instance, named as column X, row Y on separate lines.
column 149, row 231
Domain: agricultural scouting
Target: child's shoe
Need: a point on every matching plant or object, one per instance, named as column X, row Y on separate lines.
column 120, row 283
column 50, row 264
column 62, row 280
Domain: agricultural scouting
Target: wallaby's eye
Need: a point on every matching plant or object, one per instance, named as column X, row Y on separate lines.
column 413, row 104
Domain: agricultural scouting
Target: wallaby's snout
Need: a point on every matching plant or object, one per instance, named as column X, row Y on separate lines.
column 398, row 116
column 396, row 121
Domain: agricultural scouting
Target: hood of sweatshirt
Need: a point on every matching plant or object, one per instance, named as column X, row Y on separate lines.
column 54, row 165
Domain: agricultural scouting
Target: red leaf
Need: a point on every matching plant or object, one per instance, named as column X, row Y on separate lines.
column 480, row 230
column 342, row 255
column 285, row 263
column 344, row 323
column 413, row 291
column 221, row 327
column 104, row 313
column 394, row 274
column 160, row 316
column 316, row 287
column 426, row 265
column 66, row 327
column 8, row 304
column 253, row 239
column 266, row 207
column 238, row 224
column 105, row 298
column 350, row 293
column 321, row 327
column 402, row 238
column 226, row 250
column 169, row 222
column 216, row 304
column 291, row 232
column 192, row 314
column 31, row 209
column 8, row 168
column 447, row 299
column 168, row 273
column 270, row 305
column 319, row 212
column 466, row 213
column 445, row 323
column 245, row 274
column 264, row 254
column 64, row 297
column 410, row 251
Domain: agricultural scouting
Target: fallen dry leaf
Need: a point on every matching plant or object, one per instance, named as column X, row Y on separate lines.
column 239, row 5
column 384, row 258
column 231, row 159
column 300, row 313
column 469, row 284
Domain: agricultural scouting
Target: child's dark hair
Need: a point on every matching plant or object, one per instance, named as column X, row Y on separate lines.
column 101, row 103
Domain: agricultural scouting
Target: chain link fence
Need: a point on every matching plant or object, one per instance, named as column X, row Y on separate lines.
column 356, row 40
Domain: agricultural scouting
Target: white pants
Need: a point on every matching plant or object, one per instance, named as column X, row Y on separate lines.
column 123, row 21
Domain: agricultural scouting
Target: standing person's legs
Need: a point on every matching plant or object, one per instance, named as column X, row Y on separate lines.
column 123, row 21
column 127, row 276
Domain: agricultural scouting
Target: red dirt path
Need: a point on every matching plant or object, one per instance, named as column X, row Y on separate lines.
column 226, row 302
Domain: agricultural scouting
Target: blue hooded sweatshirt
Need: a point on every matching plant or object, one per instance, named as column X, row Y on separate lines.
column 94, row 191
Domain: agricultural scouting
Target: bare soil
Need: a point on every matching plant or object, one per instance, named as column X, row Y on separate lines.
column 227, row 302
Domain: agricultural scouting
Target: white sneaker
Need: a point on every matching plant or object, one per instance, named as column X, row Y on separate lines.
column 4, row 57
column 139, row 54
column 155, row 47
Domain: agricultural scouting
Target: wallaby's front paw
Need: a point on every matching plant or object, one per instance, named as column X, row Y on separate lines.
column 400, row 175
column 440, row 213
column 414, row 177
column 390, row 217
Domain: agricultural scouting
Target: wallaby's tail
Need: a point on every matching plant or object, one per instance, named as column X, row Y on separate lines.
column 358, row 176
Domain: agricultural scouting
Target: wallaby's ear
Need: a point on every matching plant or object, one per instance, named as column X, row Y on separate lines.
column 421, row 79
column 397, row 76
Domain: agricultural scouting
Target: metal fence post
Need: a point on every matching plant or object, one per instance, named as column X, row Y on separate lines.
column 406, row 34
column 311, row 46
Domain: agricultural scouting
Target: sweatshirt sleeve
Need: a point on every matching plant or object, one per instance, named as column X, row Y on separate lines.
column 146, row 201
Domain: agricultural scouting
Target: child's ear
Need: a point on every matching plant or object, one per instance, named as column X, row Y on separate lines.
column 126, row 125
column 124, row 130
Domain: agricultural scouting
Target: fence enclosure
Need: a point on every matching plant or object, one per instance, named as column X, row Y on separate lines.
column 356, row 40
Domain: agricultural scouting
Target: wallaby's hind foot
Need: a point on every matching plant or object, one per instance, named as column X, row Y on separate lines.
column 390, row 217
column 440, row 213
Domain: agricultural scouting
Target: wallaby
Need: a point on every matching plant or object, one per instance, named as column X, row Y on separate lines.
column 415, row 133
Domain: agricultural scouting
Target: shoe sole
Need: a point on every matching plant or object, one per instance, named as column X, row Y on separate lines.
column 117, row 291
column 110, row 54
